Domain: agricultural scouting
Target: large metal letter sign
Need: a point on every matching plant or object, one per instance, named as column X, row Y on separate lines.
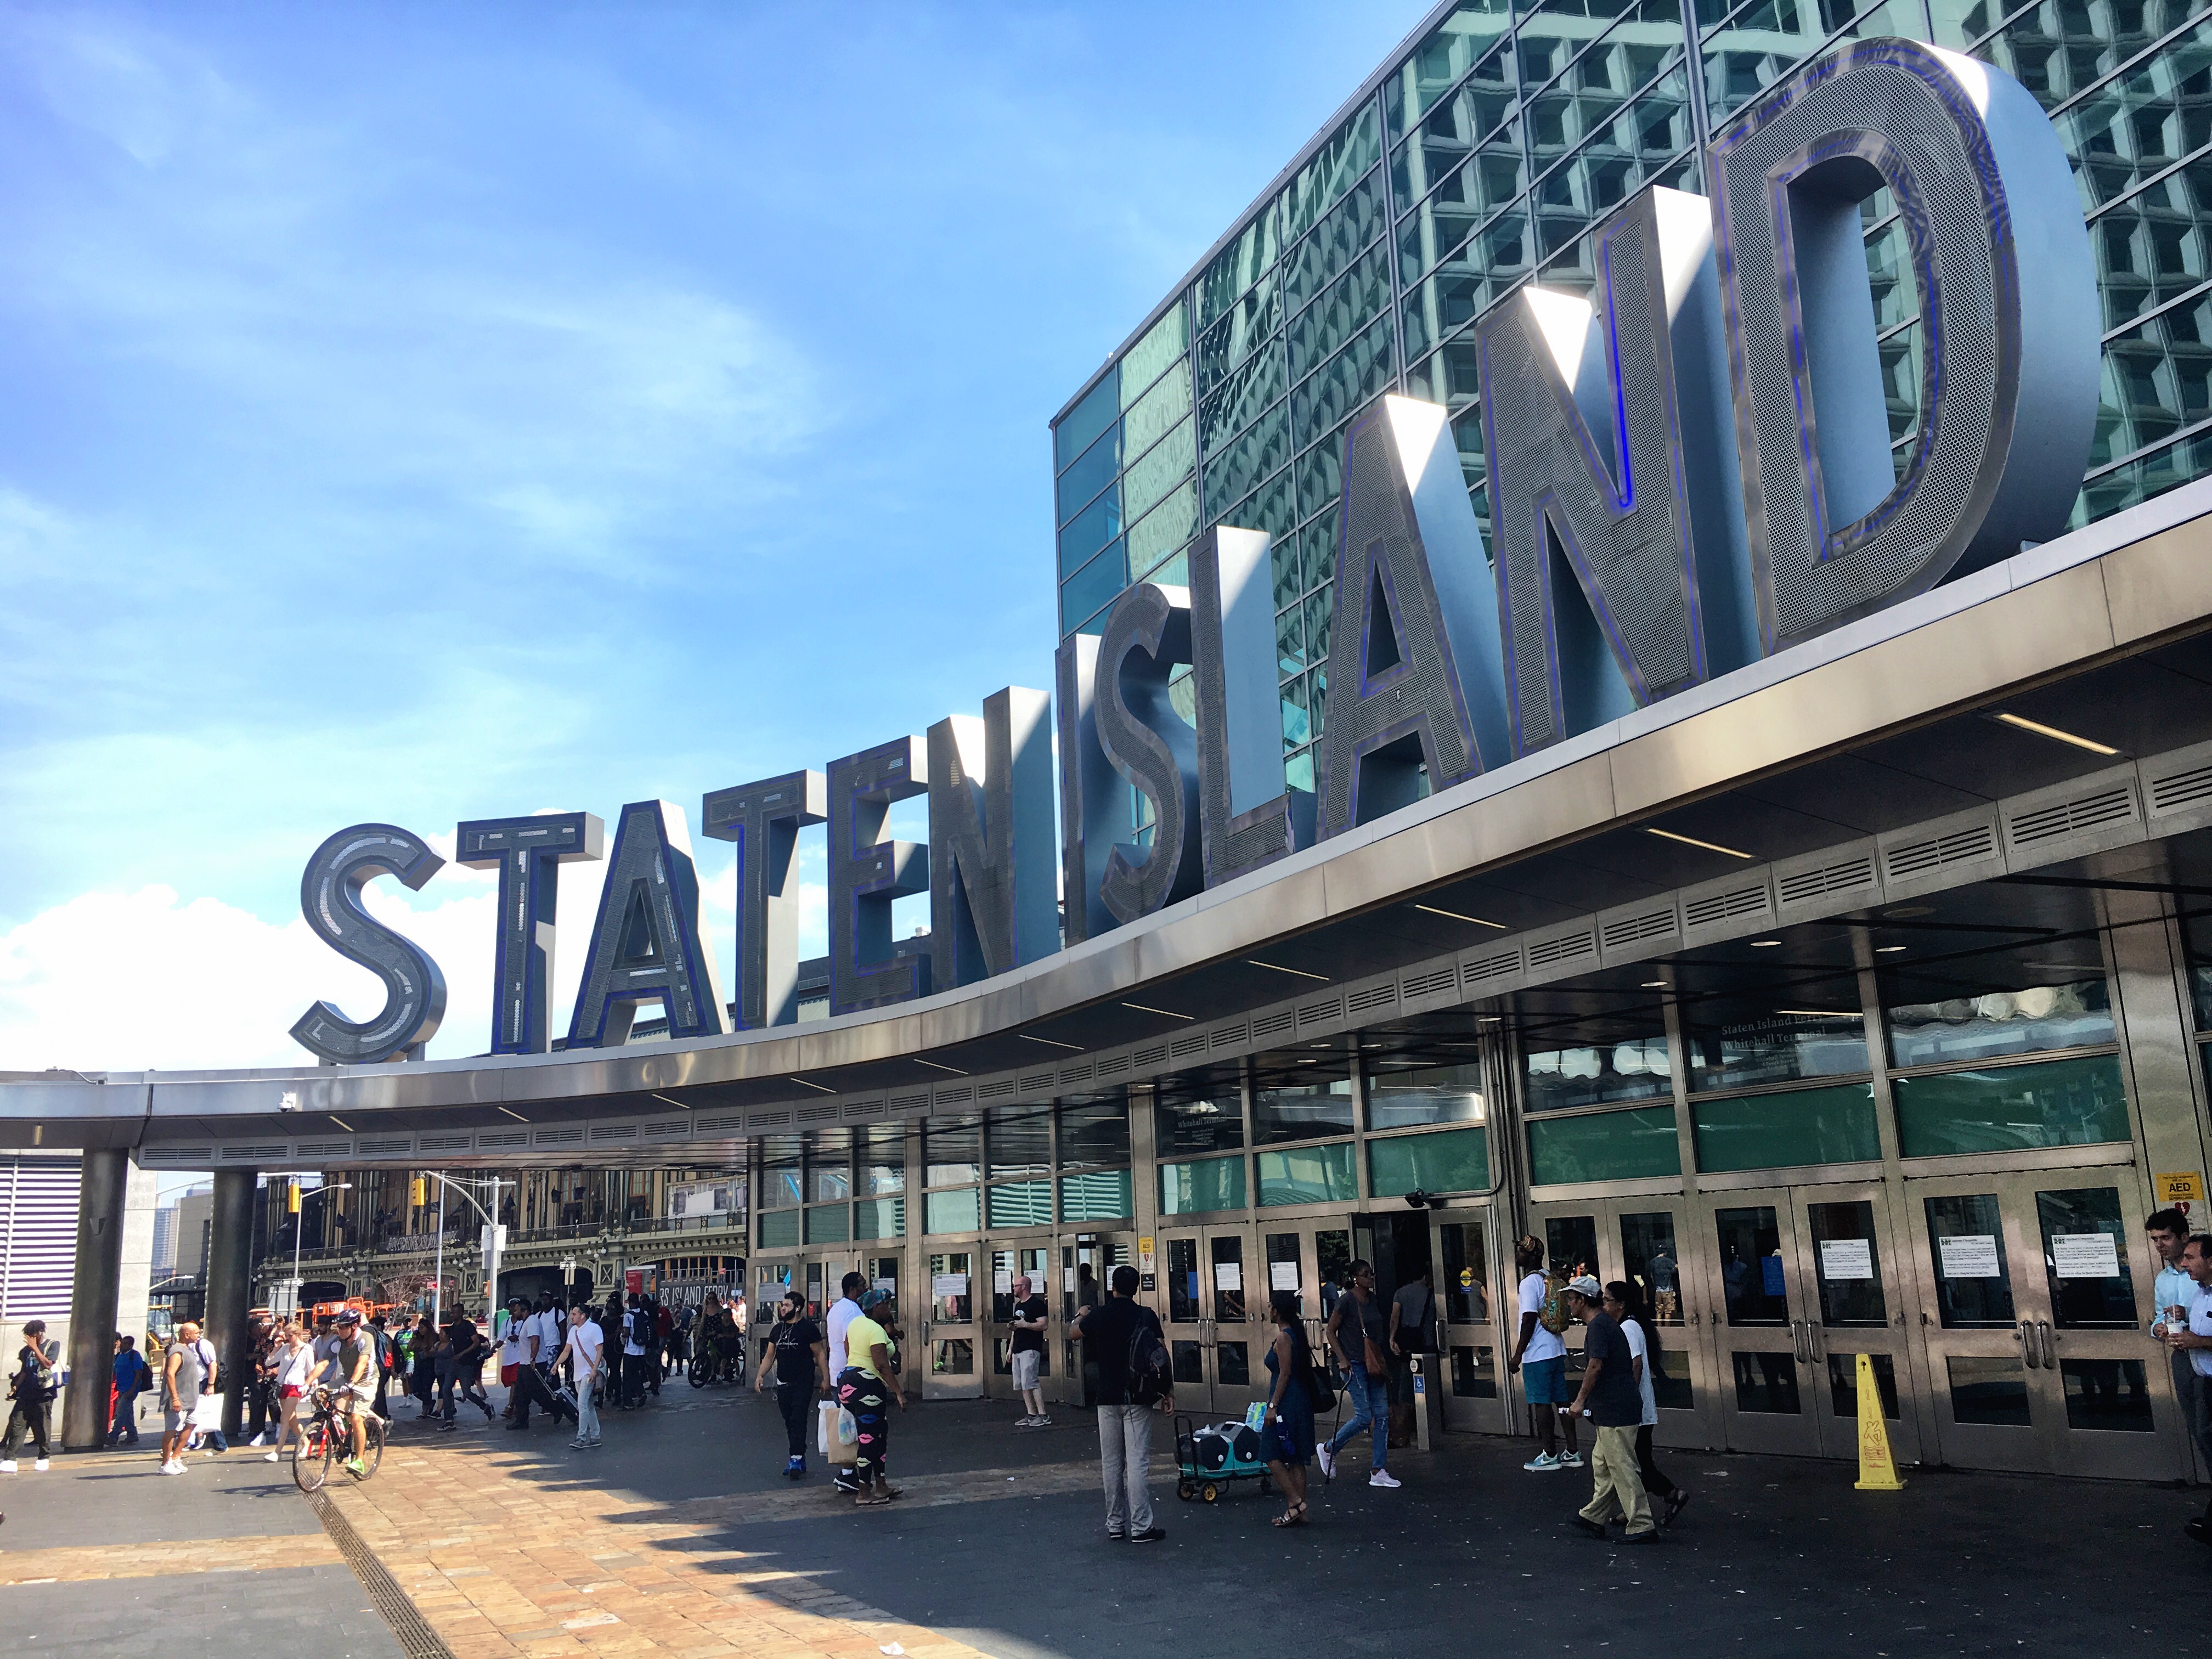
column 765, row 820
column 1249, row 817
column 413, row 989
column 528, row 853
column 993, row 892
column 1617, row 521
column 1094, row 802
column 645, row 942
column 867, row 872
column 2008, row 329
column 1147, row 634
column 1415, row 674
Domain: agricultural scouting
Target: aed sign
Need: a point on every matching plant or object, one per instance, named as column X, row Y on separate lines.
column 1690, row 468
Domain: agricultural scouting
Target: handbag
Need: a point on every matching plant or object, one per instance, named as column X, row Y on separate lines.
column 1376, row 1366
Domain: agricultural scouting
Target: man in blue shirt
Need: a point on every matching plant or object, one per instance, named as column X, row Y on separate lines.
column 131, row 1378
column 2172, row 1291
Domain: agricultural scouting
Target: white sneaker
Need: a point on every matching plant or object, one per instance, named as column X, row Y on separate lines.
column 1383, row 1477
column 1543, row 1461
column 260, row 1439
column 1572, row 1460
column 41, row 1466
column 172, row 1468
column 1040, row 1422
column 271, row 1457
column 7, row 1466
column 1328, row 1460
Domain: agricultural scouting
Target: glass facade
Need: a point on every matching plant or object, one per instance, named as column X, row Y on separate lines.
column 1483, row 160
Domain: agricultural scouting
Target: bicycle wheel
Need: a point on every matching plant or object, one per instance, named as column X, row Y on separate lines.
column 701, row 1370
column 310, row 1459
column 372, row 1453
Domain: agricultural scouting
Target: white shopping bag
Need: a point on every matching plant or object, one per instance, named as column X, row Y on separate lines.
column 206, row 1411
column 825, row 1427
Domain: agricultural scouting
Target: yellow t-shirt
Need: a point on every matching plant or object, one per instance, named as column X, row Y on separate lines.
column 862, row 1337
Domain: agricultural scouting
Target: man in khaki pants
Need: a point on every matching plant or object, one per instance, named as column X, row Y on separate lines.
column 1616, row 1406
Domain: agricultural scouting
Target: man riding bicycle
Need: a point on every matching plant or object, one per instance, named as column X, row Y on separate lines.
column 354, row 1384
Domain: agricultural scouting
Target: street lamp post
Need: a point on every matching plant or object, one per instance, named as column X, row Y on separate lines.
column 299, row 1230
column 491, row 1234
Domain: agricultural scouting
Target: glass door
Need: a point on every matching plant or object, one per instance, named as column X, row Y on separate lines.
column 1473, row 1364
column 1009, row 1263
column 2037, row 1347
column 1213, row 1320
column 1757, row 1298
column 951, row 1335
column 1085, row 1271
column 1850, row 1259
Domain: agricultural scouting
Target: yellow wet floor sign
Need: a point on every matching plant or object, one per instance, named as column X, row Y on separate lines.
column 1877, row 1469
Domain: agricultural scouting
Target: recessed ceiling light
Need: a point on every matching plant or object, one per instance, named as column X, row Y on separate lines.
column 817, row 1087
column 1072, row 1047
column 1655, row 984
column 1279, row 969
column 2052, row 732
column 1906, row 912
column 1765, row 944
column 1820, row 1013
column 1146, row 1008
column 1455, row 915
column 1888, row 950
column 934, row 1066
column 1692, row 840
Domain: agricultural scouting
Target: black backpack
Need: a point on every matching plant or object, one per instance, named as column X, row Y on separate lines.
column 1151, row 1374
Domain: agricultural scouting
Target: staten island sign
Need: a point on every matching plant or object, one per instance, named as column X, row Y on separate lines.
column 1689, row 470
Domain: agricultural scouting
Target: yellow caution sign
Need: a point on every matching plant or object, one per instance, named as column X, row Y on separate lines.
column 2179, row 1186
column 1877, row 1469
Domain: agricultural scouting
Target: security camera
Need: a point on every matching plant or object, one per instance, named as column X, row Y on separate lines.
column 1417, row 1198
column 289, row 1101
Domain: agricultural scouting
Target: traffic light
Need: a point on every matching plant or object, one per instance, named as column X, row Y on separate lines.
column 416, row 1194
column 292, row 1198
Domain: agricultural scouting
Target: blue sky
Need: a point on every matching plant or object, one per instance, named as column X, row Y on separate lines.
column 428, row 412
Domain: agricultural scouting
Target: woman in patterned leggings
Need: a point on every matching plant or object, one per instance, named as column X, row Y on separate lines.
column 868, row 1382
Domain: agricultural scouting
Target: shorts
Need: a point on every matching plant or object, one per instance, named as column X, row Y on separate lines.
column 1026, row 1366
column 363, row 1392
column 175, row 1422
column 290, row 1391
column 1544, row 1381
column 506, row 1377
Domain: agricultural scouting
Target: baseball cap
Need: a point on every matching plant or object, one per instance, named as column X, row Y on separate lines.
column 1585, row 1285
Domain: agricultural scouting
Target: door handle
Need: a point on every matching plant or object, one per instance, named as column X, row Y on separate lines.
column 2050, row 1353
column 1797, row 1341
column 2026, row 1337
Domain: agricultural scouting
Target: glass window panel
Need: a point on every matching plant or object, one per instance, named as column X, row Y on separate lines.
column 956, row 1211
column 1753, row 1282
column 1093, row 470
column 952, row 1150
column 1474, row 1373
column 952, row 1286
column 2083, row 1235
column 1303, row 1113
column 2154, row 111
column 1465, row 1284
column 1308, row 1175
column 1451, row 377
column 1183, row 1127
column 1336, row 168
column 1231, row 474
column 1020, row 1142
column 1233, row 1362
column 1357, row 374
column 1450, row 1161
column 2058, row 1103
column 1428, row 1094
column 2141, row 478
column 1414, row 87
column 1333, row 1254
column 1163, row 530
column 1167, row 341
column 1080, row 429
column 1019, row 1204
column 1803, row 1126
column 1634, row 1145
column 1843, row 1385
column 1298, row 770
column 1321, row 474
column 1291, row 640
column 1633, row 1068
column 1188, row 1363
column 1985, row 1021
column 1249, row 387
column 1155, row 415
column 1297, row 727
column 879, row 1217
column 1651, row 1263
column 1847, row 1263
column 2111, row 1394
column 829, row 1223
column 1226, row 1252
column 1468, row 282
column 778, row 1228
column 1093, row 586
column 1232, row 341
column 1094, row 1132
column 1474, row 111
column 1317, row 545
column 1776, row 1047
column 1166, row 465
column 953, row 1357
column 1321, row 608
column 1211, row 1183
column 2152, row 380
column 1284, row 1263
column 1348, row 305
column 1973, row 1280
column 1186, row 1293
column 1767, row 1382
column 1238, row 266
column 829, row 1177
column 1356, row 224
column 1269, row 507
column 1089, row 531
column 1098, row 1195
column 2129, row 152
column 882, row 1155
column 782, row 1183
column 1991, row 1389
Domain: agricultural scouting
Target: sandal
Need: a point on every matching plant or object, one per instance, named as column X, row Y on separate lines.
column 1293, row 1517
column 869, row 1501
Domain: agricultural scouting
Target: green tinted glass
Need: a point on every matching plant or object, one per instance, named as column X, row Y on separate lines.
column 2059, row 1102
column 1450, row 1161
column 1100, row 1195
column 1308, row 1175
column 1021, row 1204
column 1157, row 411
column 1164, row 342
column 829, row 1223
column 1164, row 466
column 1210, row 1183
column 1627, row 1145
column 959, row 1211
column 879, row 1217
column 1266, row 446
column 1087, row 419
column 1092, row 587
column 1441, row 58
column 779, row 1227
column 1805, row 1126
column 1164, row 529
column 1351, row 149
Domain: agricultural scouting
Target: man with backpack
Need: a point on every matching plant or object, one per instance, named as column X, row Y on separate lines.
column 1135, row 1379
column 1540, row 1357
column 32, row 1388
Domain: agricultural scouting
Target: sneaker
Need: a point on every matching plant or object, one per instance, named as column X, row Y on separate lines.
column 1149, row 1536
column 1543, row 1461
column 1572, row 1460
column 1588, row 1528
column 41, row 1466
column 1384, row 1478
column 260, row 1439
column 1649, row 1535
column 354, row 1466
column 1325, row 1456
column 579, row 1445
column 7, row 1466
column 271, row 1457
column 1118, row 1537
column 1040, row 1422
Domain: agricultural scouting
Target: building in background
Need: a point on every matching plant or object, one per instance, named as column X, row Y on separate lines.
column 1482, row 157
column 164, row 1258
column 194, row 1222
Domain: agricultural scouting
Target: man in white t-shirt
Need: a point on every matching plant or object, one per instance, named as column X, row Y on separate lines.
column 514, row 1354
column 582, row 1355
column 842, row 1312
column 1540, row 1357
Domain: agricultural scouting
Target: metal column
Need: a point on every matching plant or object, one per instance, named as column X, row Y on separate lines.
column 230, row 1287
column 93, row 1298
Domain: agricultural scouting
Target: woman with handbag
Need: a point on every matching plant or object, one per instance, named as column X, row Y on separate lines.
column 1287, row 1441
column 1361, row 1339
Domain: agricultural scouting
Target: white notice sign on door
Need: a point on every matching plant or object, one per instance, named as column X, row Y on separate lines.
column 949, row 1284
column 1846, row 1258
column 2085, row 1256
column 1970, row 1255
column 1282, row 1275
column 1002, row 1281
column 1228, row 1275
